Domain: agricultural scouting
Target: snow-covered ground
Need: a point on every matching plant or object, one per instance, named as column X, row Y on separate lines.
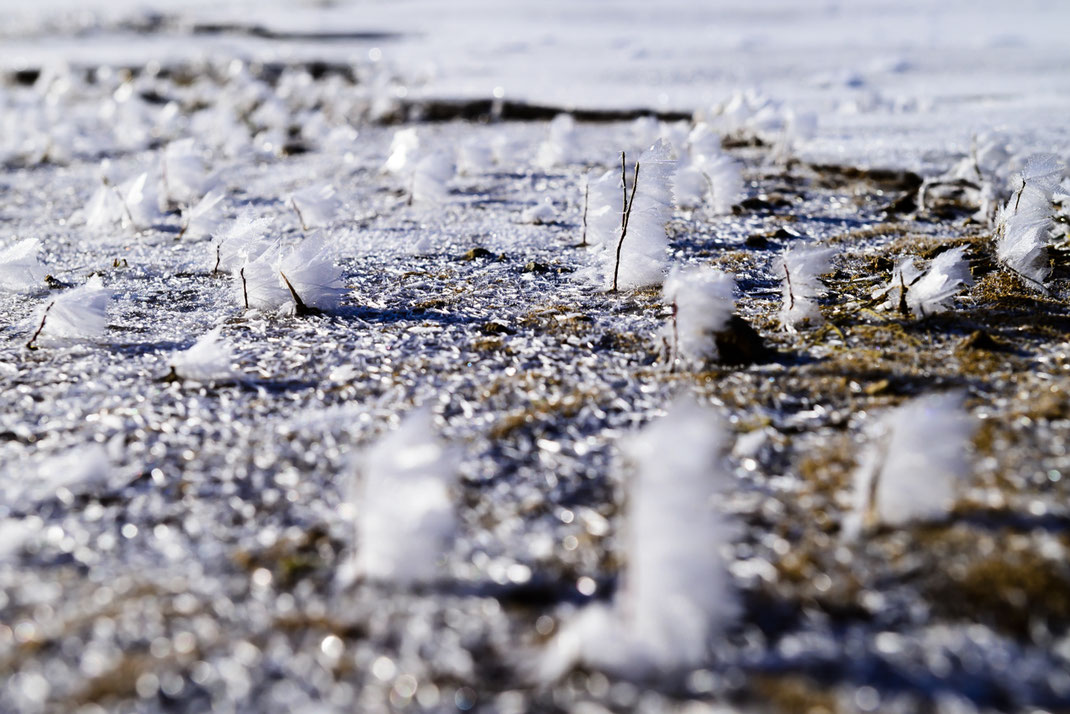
column 195, row 475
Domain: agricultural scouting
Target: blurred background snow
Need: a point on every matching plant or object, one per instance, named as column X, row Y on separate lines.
column 890, row 81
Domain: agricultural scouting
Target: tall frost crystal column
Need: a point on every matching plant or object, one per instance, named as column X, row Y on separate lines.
column 918, row 458
column 1024, row 221
column 676, row 591
column 403, row 505
column 638, row 258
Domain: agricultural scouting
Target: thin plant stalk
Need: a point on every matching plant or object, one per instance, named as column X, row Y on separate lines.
column 624, row 225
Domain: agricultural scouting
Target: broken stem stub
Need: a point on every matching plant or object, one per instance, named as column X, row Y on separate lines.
column 624, row 224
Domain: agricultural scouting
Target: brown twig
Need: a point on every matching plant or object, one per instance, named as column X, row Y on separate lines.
column 624, row 227
column 244, row 288
column 298, row 212
column 300, row 308
column 44, row 316
column 586, row 200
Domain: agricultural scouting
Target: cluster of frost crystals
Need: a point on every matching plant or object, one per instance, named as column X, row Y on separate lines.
column 931, row 291
column 642, row 255
column 911, row 472
column 305, row 276
column 184, row 174
column 78, row 314
column 403, row 506
column 316, row 206
column 799, row 269
column 562, row 146
column 676, row 593
column 404, row 150
column 208, row 360
column 20, row 269
column 1024, row 221
column 702, row 301
column 708, row 176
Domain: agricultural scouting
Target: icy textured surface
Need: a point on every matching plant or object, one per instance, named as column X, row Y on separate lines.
column 176, row 539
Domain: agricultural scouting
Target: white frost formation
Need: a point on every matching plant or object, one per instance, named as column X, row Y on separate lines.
column 403, row 504
column 244, row 241
column 208, row 360
column 20, row 269
column 78, row 314
column 403, row 149
column 645, row 244
column 799, row 269
column 918, row 458
column 702, row 301
column 185, row 176
column 562, row 146
column 708, row 176
column 315, row 206
column 1023, row 223
column 271, row 281
column 605, row 207
column 429, row 182
column 676, row 592
column 930, row 292
column 203, row 219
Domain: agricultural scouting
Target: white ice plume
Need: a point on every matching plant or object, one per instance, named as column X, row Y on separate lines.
column 244, row 241
column 605, row 201
column 78, row 314
column 716, row 181
column 429, row 182
column 918, row 457
column 1024, row 221
column 304, row 276
column 932, row 291
column 315, row 206
column 676, row 592
column 404, row 506
column 702, row 301
column 208, row 360
column 20, row 269
column 798, row 269
column 645, row 243
column 184, row 174
column 542, row 212
column 72, row 473
column 404, row 148
column 204, row 217
column 562, row 143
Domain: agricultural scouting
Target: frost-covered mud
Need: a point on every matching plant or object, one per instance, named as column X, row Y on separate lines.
column 171, row 545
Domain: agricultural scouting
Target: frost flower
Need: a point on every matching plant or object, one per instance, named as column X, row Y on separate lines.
column 245, row 240
column 1023, row 223
column 676, row 591
column 185, row 176
column 702, row 304
column 208, row 360
column 306, row 276
column 315, row 207
column 403, row 505
column 20, row 270
column 919, row 456
column 931, row 292
column 78, row 314
column 799, row 269
column 561, row 146
column 203, row 219
column 638, row 257
column 430, row 178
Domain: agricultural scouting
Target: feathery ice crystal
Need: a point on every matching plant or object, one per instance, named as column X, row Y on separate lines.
column 561, row 146
column 676, row 592
column 403, row 504
column 542, row 212
column 930, row 292
column 918, row 457
column 605, row 207
column 702, row 303
column 403, row 149
column 208, row 360
column 78, row 314
column 20, row 269
column 637, row 258
column 430, row 178
column 305, row 277
column 315, row 206
column 708, row 175
column 185, row 176
column 76, row 471
column 244, row 241
column 204, row 217
column 800, row 268
column 1024, row 221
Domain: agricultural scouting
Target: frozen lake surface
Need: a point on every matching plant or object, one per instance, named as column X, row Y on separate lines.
column 169, row 544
